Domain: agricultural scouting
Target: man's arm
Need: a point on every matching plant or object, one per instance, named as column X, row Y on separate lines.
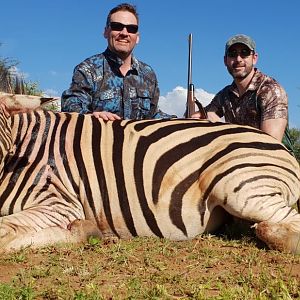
column 273, row 102
column 274, row 127
column 213, row 110
column 211, row 116
column 78, row 98
column 155, row 112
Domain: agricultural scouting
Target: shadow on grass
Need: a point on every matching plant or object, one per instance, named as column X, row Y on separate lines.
column 239, row 229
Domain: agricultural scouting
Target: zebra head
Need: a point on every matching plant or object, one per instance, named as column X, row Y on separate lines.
column 23, row 103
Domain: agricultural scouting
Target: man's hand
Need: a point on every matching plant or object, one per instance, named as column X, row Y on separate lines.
column 106, row 116
column 197, row 115
column 211, row 116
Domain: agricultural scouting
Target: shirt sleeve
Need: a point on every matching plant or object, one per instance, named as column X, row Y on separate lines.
column 78, row 98
column 215, row 105
column 273, row 101
column 156, row 113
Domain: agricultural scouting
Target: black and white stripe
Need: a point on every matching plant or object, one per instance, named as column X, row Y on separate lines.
column 151, row 177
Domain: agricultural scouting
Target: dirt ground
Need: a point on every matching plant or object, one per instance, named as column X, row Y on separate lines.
column 208, row 266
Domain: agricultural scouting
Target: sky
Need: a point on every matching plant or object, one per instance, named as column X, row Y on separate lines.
column 49, row 38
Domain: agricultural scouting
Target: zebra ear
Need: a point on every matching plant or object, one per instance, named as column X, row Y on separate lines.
column 23, row 103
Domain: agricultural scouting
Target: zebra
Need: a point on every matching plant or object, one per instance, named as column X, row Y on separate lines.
column 65, row 177
column 22, row 102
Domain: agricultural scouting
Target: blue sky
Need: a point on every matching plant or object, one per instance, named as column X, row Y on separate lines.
column 49, row 38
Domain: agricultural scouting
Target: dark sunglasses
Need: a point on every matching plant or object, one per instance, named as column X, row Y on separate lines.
column 243, row 53
column 131, row 28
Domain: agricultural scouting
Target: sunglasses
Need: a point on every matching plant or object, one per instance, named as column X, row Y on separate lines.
column 131, row 28
column 243, row 53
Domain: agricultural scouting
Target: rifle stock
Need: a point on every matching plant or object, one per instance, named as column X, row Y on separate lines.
column 190, row 109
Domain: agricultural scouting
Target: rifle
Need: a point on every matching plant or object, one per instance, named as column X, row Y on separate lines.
column 191, row 99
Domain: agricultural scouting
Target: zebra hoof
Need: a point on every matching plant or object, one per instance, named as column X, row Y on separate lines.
column 279, row 236
column 11, row 240
column 6, row 236
column 82, row 230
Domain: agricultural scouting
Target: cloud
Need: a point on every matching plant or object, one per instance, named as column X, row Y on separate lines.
column 174, row 102
column 51, row 93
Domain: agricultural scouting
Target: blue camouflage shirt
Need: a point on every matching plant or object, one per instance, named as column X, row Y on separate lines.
column 98, row 85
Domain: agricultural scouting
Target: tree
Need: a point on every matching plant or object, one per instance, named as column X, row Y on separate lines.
column 6, row 84
column 295, row 141
column 11, row 81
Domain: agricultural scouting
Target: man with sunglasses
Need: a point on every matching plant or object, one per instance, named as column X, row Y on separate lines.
column 253, row 98
column 115, row 85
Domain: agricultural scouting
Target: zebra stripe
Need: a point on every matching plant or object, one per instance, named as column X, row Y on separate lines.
column 130, row 178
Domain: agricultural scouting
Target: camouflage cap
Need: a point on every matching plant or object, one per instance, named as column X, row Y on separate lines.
column 240, row 39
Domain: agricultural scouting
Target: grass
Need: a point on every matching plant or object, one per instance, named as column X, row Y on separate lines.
column 208, row 267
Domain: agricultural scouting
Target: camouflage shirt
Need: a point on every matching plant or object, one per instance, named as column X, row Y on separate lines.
column 98, row 85
column 264, row 99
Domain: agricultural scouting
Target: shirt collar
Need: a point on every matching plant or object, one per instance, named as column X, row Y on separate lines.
column 118, row 61
column 256, row 80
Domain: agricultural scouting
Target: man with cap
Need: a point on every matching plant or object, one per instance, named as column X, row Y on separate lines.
column 253, row 98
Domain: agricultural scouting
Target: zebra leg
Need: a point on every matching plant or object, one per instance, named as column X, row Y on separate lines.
column 21, row 230
column 278, row 225
column 279, row 236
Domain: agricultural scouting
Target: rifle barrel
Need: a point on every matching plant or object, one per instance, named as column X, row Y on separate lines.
column 191, row 99
column 190, row 104
column 190, row 59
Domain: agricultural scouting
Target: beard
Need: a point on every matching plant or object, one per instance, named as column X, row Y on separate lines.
column 242, row 72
